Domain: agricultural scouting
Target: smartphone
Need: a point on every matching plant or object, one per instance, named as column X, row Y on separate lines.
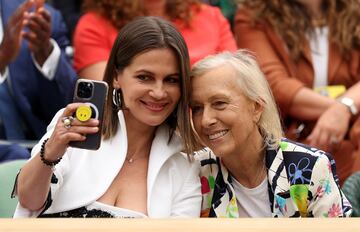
column 94, row 94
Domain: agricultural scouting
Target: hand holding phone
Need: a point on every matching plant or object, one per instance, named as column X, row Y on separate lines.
column 93, row 94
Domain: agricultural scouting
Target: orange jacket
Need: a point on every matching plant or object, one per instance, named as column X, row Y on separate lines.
column 286, row 77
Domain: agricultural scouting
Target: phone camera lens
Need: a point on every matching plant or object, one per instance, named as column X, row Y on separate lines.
column 85, row 89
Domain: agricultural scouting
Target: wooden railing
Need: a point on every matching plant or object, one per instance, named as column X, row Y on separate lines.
column 175, row 225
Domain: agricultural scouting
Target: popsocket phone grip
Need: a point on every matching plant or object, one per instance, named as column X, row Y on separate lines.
column 84, row 113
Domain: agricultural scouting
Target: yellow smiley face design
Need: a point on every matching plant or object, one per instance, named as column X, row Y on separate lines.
column 83, row 113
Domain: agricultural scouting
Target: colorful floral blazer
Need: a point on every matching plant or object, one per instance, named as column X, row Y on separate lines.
column 302, row 182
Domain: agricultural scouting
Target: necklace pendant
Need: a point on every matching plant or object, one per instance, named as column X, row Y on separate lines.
column 130, row 160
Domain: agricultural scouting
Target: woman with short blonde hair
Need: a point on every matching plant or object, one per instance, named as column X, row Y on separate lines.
column 248, row 169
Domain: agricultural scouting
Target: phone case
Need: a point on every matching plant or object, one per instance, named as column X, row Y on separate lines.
column 96, row 102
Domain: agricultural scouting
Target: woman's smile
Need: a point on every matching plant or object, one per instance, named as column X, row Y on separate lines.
column 153, row 106
column 217, row 135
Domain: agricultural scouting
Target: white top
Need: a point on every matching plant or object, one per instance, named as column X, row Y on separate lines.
column 173, row 183
column 252, row 202
column 50, row 65
column 319, row 45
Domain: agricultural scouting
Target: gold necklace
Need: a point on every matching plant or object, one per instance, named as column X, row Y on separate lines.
column 131, row 159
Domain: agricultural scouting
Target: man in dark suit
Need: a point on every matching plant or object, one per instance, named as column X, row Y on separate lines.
column 37, row 77
column 71, row 12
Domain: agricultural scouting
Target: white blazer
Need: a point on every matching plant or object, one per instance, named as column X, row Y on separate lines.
column 173, row 182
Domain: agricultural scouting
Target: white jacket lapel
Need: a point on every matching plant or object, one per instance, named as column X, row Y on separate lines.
column 160, row 152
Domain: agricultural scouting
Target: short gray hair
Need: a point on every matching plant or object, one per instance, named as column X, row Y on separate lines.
column 254, row 86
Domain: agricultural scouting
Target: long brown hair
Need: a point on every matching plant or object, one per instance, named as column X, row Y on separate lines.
column 117, row 12
column 291, row 21
column 181, row 10
column 121, row 12
column 136, row 37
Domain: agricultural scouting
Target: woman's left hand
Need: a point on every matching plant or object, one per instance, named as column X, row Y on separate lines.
column 330, row 128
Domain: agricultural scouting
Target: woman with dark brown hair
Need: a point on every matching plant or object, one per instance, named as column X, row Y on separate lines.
column 309, row 52
column 139, row 169
column 205, row 30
